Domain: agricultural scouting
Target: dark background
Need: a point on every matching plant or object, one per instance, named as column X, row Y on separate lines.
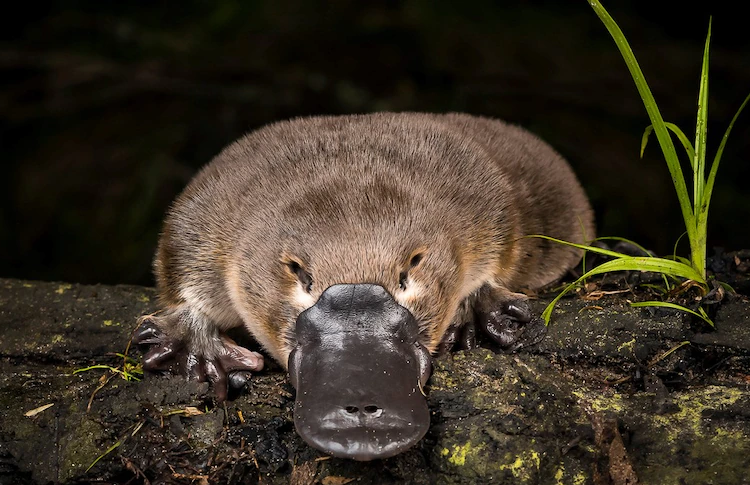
column 108, row 108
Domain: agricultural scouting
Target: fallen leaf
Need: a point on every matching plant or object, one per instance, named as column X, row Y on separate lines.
column 38, row 410
column 192, row 411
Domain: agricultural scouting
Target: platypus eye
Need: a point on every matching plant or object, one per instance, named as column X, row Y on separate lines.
column 302, row 275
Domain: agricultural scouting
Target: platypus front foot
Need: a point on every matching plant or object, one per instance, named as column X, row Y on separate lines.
column 508, row 320
column 217, row 360
column 512, row 326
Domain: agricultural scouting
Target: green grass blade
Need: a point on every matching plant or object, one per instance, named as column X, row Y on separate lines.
column 700, row 209
column 664, row 304
column 699, row 162
column 678, row 267
column 682, row 260
column 680, row 136
column 673, row 349
column 127, row 358
column 547, row 313
column 623, row 239
column 676, row 243
column 665, row 141
column 660, row 265
column 109, row 450
column 125, row 374
column 630, row 263
column 656, row 288
column 727, row 287
column 92, row 367
column 593, row 249
column 715, row 165
column 657, row 265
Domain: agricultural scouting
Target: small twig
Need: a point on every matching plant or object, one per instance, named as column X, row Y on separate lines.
column 598, row 294
column 667, row 353
column 100, row 387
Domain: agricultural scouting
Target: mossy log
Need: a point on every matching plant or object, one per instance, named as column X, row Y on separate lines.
column 612, row 395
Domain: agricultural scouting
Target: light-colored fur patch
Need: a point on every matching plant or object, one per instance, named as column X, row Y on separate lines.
column 265, row 339
column 412, row 292
column 301, row 299
column 221, row 314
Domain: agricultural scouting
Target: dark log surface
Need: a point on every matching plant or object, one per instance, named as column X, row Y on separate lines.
column 598, row 401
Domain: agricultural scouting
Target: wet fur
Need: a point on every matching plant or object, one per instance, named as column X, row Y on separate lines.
column 352, row 199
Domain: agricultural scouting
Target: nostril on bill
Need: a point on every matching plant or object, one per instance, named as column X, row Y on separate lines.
column 370, row 411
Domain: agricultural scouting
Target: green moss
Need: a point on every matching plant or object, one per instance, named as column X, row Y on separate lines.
column 204, row 428
column 559, row 474
column 525, row 466
column 691, row 406
column 688, row 432
column 476, row 459
column 629, row 345
column 25, row 429
column 458, row 454
column 561, row 477
column 442, row 381
column 81, row 448
column 600, row 401
column 63, row 288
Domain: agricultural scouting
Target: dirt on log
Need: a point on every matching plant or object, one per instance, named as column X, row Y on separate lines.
column 613, row 395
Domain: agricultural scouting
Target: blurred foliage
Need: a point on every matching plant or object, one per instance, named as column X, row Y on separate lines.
column 108, row 108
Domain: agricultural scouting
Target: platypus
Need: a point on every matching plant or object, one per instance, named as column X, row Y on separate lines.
column 352, row 248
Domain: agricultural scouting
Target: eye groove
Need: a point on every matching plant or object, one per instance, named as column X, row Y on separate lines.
column 303, row 276
column 402, row 280
column 404, row 275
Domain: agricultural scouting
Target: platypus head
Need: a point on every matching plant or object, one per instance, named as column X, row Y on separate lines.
column 359, row 369
column 370, row 285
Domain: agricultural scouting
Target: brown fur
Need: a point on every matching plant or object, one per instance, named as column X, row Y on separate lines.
column 352, row 199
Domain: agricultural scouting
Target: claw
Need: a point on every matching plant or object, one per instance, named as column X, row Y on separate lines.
column 218, row 379
column 468, row 337
column 449, row 339
column 238, row 381
column 147, row 333
column 518, row 310
column 195, row 368
column 158, row 357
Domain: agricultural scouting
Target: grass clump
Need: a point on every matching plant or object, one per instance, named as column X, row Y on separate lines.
column 695, row 210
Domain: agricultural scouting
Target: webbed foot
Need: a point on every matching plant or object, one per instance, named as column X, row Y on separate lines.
column 507, row 319
column 511, row 324
column 216, row 359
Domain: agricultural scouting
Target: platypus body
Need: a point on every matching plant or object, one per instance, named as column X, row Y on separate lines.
column 352, row 248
